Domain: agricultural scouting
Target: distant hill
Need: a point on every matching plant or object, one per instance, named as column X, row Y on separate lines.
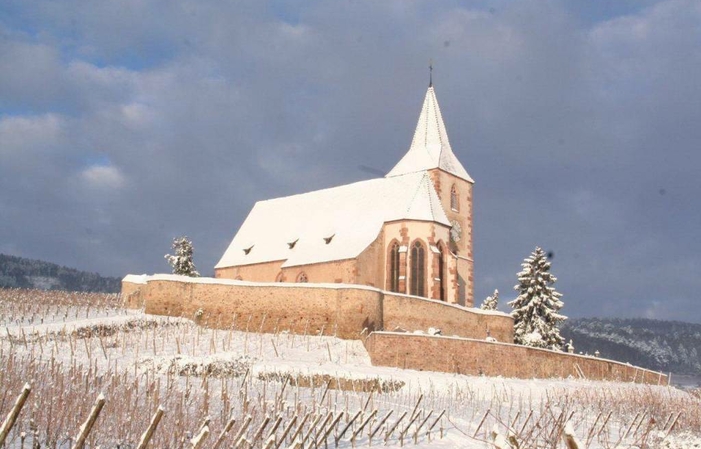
column 19, row 272
column 668, row 346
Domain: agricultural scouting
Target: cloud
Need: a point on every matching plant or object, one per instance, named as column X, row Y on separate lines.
column 103, row 177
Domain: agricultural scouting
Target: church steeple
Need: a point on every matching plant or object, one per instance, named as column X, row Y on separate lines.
column 430, row 147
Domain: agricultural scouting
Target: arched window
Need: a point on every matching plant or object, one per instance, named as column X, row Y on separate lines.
column 394, row 267
column 238, row 278
column 279, row 277
column 441, row 271
column 302, row 277
column 418, row 269
column 454, row 199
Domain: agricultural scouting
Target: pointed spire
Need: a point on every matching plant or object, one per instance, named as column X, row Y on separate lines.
column 430, row 147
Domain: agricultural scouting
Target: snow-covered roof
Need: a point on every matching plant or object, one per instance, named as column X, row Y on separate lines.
column 430, row 147
column 331, row 224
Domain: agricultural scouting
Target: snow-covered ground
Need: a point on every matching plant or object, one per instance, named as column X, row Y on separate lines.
column 142, row 361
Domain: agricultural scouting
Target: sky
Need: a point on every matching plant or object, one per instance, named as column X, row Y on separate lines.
column 126, row 123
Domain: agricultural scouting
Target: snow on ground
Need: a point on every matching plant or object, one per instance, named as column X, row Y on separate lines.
column 183, row 359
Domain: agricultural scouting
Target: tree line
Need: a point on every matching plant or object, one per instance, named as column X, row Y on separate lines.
column 18, row 272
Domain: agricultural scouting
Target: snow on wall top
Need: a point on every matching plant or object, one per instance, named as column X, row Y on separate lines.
column 295, row 229
column 135, row 278
column 430, row 147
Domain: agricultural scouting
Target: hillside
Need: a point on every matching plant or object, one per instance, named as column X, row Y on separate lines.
column 324, row 390
column 668, row 346
column 18, row 272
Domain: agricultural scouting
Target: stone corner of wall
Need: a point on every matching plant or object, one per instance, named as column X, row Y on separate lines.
column 132, row 294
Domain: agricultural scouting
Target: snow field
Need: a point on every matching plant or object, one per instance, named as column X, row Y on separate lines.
column 140, row 362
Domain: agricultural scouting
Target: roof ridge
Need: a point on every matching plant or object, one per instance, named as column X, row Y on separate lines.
column 416, row 192
column 430, row 199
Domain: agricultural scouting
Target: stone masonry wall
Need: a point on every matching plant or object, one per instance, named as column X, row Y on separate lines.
column 346, row 310
column 409, row 313
column 340, row 271
column 478, row 357
column 131, row 291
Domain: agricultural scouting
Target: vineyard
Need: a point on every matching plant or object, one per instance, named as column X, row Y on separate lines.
column 78, row 370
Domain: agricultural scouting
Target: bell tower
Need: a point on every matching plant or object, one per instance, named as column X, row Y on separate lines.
column 430, row 151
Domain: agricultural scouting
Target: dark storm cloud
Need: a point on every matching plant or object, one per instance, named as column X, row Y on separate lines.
column 124, row 124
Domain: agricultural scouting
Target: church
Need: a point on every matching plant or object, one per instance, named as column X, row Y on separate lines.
column 409, row 232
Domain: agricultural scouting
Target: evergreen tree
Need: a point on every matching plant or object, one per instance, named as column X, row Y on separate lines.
column 182, row 260
column 535, row 309
column 491, row 302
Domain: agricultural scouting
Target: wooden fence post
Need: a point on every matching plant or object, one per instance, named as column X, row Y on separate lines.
column 198, row 440
column 570, row 439
column 14, row 413
column 87, row 425
column 223, row 433
column 146, row 437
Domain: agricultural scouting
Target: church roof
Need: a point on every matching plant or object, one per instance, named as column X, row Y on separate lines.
column 430, row 147
column 331, row 224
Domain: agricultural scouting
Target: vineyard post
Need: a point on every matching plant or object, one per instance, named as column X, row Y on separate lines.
column 329, row 429
column 390, row 431
column 242, row 430
column 418, row 429
column 88, row 424
column 14, row 413
column 301, row 426
column 198, row 440
column 275, row 427
column 428, row 431
column 146, row 437
column 570, row 439
column 360, row 429
column 224, row 431
column 285, row 432
column 305, row 437
column 348, row 424
column 258, row 433
column 382, row 421
column 416, row 407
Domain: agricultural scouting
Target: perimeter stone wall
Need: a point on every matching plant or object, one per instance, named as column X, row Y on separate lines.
column 410, row 313
column 344, row 311
column 479, row 357
column 347, row 311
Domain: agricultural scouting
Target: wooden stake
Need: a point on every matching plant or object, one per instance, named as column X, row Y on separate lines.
column 146, row 437
column 87, row 425
column 14, row 413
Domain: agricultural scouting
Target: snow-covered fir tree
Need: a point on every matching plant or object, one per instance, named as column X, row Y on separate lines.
column 182, row 260
column 535, row 313
column 491, row 302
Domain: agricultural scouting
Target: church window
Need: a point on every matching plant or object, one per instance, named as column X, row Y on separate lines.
column 454, row 199
column 279, row 277
column 394, row 267
column 441, row 271
column 418, row 269
column 238, row 278
column 302, row 278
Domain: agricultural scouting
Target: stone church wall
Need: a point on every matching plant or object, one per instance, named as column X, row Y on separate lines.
column 339, row 271
column 341, row 309
column 409, row 313
column 479, row 357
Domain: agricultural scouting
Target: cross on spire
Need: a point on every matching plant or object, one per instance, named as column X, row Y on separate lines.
column 430, row 73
